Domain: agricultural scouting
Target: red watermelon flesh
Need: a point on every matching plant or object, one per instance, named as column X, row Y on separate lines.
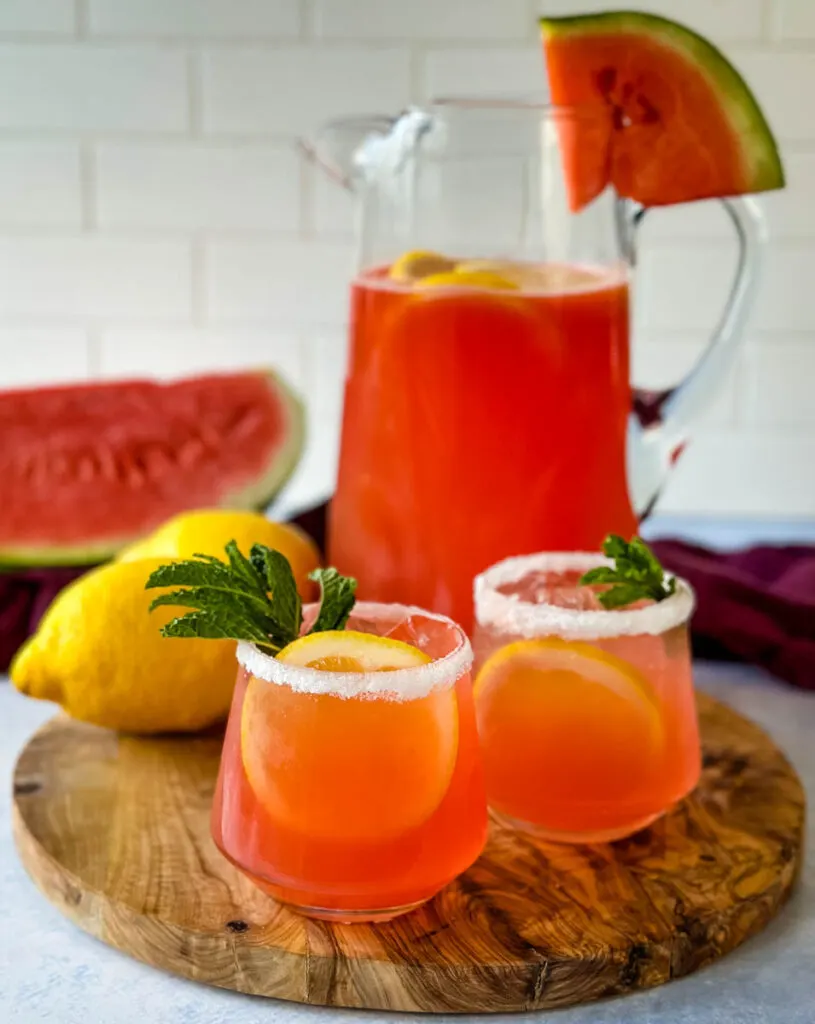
column 89, row 468
column 672, row 120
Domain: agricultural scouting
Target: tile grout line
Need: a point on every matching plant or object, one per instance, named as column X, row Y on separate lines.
column 307, row 215
column 416, row 73
column 87, row 186
column 198, row 280
column 93, row 351
column 308, row 21
column 767, row 21
column 195, row 97
column 81, row 19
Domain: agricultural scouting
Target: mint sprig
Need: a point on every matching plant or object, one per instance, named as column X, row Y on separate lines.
column 637, row 574
column 336, row 599
column 252, row 598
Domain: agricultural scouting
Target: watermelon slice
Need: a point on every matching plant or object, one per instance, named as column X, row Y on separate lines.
column 665, row 117
column 89, row 468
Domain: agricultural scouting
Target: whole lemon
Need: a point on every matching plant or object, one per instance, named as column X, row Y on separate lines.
column 98, row 652
column 207, row 531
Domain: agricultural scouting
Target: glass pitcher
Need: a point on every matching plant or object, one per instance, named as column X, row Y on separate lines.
column 488, row 405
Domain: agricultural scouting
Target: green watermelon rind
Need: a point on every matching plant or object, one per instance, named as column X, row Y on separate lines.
column 260, row 493
column 750, row 126
column 254, row 497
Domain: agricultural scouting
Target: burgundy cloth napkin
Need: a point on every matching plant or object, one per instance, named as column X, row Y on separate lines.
column 756, row 605
column 24, row 596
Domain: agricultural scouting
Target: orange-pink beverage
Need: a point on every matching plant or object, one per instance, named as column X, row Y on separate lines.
column 587, row 717
column 350, row 793
column 480, row 423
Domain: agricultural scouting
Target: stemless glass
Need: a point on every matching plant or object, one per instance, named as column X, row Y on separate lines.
column 354, row 796
column 586, row 716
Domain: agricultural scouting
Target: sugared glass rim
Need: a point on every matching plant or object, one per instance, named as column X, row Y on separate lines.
column 510, row 614
column 400, row 683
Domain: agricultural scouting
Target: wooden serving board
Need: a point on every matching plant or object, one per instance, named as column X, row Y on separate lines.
column 115, row 832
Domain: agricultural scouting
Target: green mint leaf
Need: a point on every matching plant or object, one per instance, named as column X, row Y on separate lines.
column 337, row 598
column 243, row 569
column 250, row 597
column 236, row 607
column 230, row 600
column 208, row 558
column 274, row 569
column 219, row 625
column 621, row 595
column 212, row 575
column 646, row 558
column 637, row 574
column 614, row 547
column 602, row 574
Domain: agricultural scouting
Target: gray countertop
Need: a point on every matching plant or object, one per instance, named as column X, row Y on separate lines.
column 50, row 971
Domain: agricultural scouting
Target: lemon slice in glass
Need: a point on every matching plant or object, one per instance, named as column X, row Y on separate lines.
column 569, row 713
column 370, row 767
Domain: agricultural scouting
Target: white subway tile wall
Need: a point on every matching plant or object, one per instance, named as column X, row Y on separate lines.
column 36, row 355
column 421, row 19
column 794, row 19
column 196, row 19
column 206, row 187
column 467, row 71
column 40, row 184
column 158, row 219
column 62, row 279
column 41, row 16
column 288, row 89
column 77, row 87
column 291, row 281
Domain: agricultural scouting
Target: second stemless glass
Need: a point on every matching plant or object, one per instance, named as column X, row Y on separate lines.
column 586, row 716
column 354, row 796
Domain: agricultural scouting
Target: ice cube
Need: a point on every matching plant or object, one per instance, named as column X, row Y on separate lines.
column 435, row 637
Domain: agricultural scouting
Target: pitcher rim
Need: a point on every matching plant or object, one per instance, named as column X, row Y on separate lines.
column 513, row 103
column 464, row 102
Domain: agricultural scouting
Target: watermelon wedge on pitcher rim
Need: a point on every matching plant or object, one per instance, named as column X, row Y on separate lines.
column 666, row 117
column 89, row 468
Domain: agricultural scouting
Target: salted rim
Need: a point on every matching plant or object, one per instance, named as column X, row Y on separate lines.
column 509, row 613
column 402, row 683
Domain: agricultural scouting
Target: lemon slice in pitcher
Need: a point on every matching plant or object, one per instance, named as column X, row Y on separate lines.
column 419, row 263
column 477, row 278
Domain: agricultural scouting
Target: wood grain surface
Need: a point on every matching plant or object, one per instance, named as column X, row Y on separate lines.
column 115, row 832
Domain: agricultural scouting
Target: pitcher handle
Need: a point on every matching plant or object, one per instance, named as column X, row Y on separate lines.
column 661, row 421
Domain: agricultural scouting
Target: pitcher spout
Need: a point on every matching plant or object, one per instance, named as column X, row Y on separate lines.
column 355, row 150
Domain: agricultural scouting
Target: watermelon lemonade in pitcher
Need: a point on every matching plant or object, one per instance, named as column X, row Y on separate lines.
column 470, row 379
column 488, row 403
